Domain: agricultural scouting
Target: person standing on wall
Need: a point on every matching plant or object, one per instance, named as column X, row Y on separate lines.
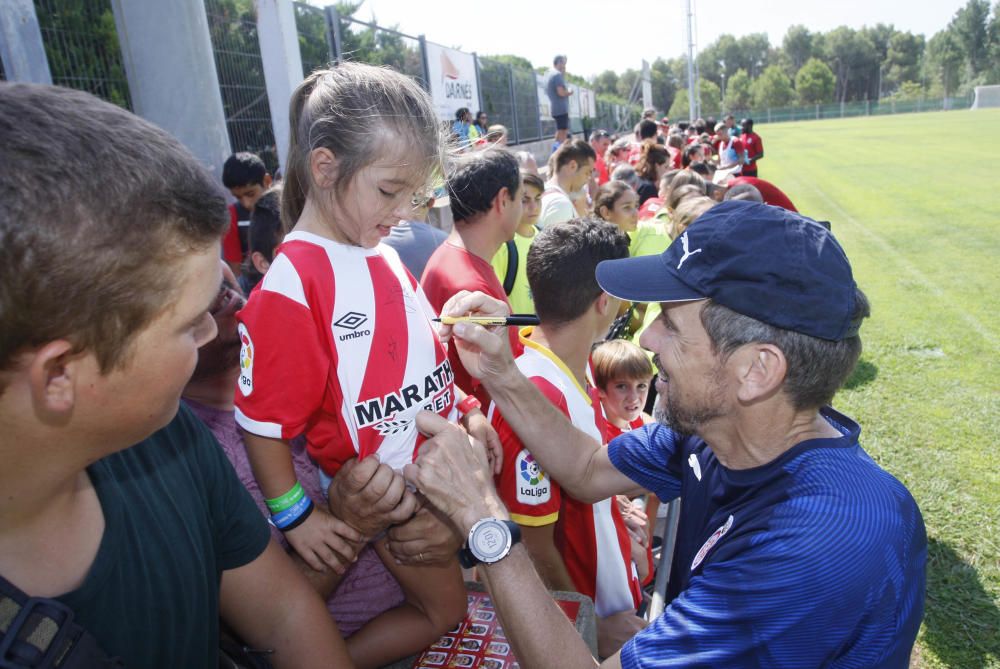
column 558, row 93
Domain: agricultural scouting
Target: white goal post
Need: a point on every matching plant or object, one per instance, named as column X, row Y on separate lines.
column 986, row 96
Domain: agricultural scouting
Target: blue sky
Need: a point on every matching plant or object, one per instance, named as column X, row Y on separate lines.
column 595, row 39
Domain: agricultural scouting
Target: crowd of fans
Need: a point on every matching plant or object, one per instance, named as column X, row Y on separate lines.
column 330, row 387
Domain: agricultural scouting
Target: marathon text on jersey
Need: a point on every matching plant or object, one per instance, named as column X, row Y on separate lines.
column 372, row 411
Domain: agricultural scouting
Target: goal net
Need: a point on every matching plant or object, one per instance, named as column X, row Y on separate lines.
column 986, row 96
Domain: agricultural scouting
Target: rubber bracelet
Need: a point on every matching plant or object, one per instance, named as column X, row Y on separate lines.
column 298, row 521
column 470, row 403
column 285, row 501
column 284, row 519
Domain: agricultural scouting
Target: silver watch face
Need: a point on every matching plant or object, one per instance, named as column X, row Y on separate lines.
column 490, row 540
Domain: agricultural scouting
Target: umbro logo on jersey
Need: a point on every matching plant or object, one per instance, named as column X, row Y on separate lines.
column 352, row 320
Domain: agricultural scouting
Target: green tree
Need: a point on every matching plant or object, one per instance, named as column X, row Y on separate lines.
column 902, row 62
column 814, row 82
column 708, row 94
column 664, row 84
column 772, row 88
column 626, row 82
column 797, row 47
column 516, row 61
column 970, row 27
column 738, row 92
column 606, row 83
column 81, row 45
column 311, row 25
column 679, row 109
column 944, row 60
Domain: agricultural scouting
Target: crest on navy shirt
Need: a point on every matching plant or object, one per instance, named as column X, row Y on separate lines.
column 712, row 540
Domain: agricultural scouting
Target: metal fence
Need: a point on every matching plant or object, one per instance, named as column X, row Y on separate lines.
column 508, row 94
column 81, row 45
column 883, row 107
column 314, row 48
column 232, row 26
column 369, row 43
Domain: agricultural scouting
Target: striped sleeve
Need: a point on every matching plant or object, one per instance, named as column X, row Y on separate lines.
column 648, row 456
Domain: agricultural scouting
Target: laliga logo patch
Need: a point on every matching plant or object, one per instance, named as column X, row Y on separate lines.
column 712, row 540
column 533, row 486
column 246, row 361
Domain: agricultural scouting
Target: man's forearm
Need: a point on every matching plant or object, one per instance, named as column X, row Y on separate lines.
column 541, row 634
column 544, row 430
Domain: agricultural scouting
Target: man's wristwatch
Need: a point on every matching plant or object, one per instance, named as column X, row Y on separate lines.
column 490, row 540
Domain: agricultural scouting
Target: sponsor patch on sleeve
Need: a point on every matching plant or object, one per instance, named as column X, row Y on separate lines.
column 534, row 487
column 246, row 361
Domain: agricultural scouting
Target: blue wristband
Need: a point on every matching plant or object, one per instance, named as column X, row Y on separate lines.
column 293, row 515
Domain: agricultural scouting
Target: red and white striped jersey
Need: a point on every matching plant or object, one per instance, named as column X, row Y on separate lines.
column 338, row 344
column 591, row 538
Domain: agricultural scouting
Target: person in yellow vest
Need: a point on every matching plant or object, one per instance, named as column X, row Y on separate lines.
column 511, row 261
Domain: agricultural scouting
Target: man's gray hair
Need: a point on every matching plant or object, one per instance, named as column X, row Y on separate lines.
column 817, row 368
column 627, row 174
column 743, row 192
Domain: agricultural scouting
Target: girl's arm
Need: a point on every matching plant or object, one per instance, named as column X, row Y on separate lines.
column 320, row 539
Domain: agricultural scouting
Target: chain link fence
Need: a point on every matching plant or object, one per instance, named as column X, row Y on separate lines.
column 81, row 45
column 310, row 22
column 496, row 90
column 883, row 107
column 232, row 26
column 368, row 43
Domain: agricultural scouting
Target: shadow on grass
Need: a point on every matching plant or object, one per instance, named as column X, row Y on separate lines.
column 960, row 616
column 864, row 372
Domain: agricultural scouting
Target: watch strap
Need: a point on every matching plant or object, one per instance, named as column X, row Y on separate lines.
column 468, row 559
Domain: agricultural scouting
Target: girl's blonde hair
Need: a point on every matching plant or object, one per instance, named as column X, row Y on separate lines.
column 687, row 212
column 619, row 359
column 356, row 111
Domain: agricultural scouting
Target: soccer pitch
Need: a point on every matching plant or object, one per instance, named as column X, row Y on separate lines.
column 914, row 201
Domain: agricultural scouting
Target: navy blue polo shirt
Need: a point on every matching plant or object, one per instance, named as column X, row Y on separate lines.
column 814, row 559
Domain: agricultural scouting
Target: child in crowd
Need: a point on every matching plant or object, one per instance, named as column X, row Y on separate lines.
column 617, row 203
column 622, row 372
column 263, row 238
column 246, row 177
column 511, row 261
column 338, row 342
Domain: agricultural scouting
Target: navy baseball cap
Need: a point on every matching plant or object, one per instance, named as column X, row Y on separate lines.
column 765, row 262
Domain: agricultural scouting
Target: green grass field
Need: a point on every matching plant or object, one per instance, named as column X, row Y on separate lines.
column 914, row 200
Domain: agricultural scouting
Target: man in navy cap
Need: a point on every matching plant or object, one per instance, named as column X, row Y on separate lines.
column 795, row 549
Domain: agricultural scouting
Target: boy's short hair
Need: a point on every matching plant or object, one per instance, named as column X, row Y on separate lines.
column 243, row 169
column 562, row 266
column 533, row 180
column 477, row 177
column 647, row 129
column 265, row 231
column 575, row 149
column 619, row 359
column 97, row 203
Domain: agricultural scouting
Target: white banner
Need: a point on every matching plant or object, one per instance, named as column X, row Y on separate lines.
column 587, row 102
column 452, row 80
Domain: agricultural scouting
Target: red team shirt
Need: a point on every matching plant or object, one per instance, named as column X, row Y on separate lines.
column 338, row 344
column 591, row 538
column 452, row 269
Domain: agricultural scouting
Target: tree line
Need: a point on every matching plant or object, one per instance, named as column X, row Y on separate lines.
column 842, row 65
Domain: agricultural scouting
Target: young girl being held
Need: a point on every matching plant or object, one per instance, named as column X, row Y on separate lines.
column 338, row 342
